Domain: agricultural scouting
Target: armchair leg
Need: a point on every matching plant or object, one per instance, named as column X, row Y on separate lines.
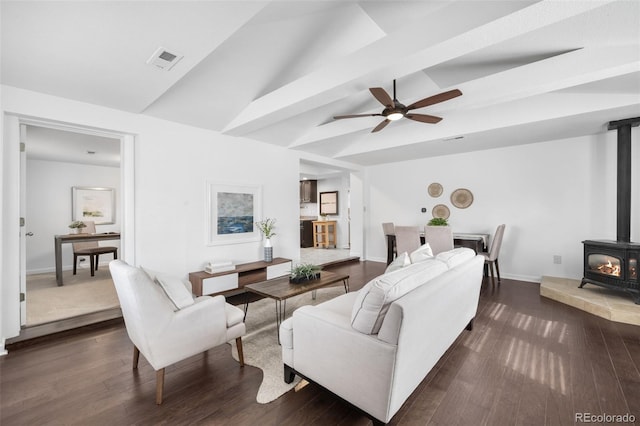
column 159, row 385
column 136, row 356
column 240, row 353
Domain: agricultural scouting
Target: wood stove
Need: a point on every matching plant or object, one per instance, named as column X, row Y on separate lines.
column 614, row 264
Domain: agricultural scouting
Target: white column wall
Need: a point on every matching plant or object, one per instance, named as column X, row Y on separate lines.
column 551, row 196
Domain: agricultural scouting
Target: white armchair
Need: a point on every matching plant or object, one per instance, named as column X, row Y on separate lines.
column 167, row 324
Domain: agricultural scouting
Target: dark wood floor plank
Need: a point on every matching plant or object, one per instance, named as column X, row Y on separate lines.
column 528, row 360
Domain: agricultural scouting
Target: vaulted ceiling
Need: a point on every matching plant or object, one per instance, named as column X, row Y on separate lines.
column 278, row 71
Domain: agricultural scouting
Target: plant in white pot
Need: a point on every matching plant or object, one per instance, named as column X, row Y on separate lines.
column 266, row 227
column 77, row 226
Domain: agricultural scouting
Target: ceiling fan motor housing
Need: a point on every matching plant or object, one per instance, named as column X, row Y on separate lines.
column 397, row 108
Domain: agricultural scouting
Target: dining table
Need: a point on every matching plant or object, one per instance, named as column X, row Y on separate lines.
column 475, row 241
column 76, row 238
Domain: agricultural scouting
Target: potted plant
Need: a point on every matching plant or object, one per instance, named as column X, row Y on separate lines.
column 438, row 221
column 266, row 227
column 304, row 272
column 77, row 226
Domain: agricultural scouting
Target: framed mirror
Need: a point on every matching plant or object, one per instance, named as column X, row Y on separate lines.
column 329, row 203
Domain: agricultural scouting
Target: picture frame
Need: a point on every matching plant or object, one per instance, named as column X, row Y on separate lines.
column 232, row 211
column 93, row 204
column 329, row 203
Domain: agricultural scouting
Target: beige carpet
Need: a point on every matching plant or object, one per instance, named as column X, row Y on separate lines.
column 260, row 345
column 81, row 294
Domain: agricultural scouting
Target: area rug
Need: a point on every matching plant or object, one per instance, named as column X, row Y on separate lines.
column 260, row 344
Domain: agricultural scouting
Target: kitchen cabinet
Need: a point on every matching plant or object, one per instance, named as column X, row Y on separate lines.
column 308, row 191
column 306, row 233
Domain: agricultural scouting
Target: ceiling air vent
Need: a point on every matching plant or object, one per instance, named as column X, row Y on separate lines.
column 164, row 59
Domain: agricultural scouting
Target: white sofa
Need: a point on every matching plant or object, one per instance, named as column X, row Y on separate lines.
column 374, row 347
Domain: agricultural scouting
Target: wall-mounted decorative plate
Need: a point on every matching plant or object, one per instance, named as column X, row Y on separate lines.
column 435, row 189
column 461, row 198
column 441, row 211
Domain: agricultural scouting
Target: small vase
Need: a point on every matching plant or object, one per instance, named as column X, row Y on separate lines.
column 268, row 251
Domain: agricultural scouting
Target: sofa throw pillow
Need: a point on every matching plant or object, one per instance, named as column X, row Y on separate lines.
column 399, row 262
column 175, row 290
column 373, row 300
column 456, row 256
column 423, row 252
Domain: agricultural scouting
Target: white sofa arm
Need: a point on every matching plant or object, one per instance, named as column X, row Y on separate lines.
column 327, row 350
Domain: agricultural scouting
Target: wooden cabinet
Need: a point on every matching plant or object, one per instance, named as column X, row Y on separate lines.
column 308, row 191
column 232, row 282
column 324, row 233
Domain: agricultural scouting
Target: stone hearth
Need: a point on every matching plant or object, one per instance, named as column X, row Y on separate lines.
column 605, row 303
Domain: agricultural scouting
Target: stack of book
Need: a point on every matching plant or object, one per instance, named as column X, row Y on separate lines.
column 219, row 266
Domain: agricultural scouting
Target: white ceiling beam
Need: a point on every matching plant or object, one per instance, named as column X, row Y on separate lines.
column 556, row 73
column 407, row 53
column 548, row 106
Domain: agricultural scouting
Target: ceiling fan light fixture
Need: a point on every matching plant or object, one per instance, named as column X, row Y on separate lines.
column 395, row 116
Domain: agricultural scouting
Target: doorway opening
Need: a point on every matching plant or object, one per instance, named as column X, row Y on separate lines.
column 57, row 163
column 337, row 181
column 56, row 159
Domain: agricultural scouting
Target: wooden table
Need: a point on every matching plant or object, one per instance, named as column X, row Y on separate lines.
column 76, row 238
column 280, row 289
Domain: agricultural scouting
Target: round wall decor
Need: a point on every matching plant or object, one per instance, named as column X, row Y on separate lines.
column 435, row 189
column 461, row 198
column 441, row 210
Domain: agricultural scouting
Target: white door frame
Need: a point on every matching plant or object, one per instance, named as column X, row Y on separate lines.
column 11, row 259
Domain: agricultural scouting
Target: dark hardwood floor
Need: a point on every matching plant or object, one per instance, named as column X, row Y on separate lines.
column 528, row 360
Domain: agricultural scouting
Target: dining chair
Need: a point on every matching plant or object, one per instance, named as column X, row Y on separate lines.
column 440, row 238
column 390, row 237
column 491, row 257
column 92, row 249
column 407, row 239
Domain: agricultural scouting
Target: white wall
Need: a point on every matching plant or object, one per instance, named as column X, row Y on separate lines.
column 340, row 184
column 551, row 196
column 172, row 164
column 48, row 213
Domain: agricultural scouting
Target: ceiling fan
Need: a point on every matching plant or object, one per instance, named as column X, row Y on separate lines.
column 394, row 110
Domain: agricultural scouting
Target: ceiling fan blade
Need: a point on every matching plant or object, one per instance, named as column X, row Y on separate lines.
column 382, row 96
column 424, row 118
column 381, row 126
column 338, row 117
column 444, row 96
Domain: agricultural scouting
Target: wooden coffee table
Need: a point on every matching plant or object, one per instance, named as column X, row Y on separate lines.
column 280, row 289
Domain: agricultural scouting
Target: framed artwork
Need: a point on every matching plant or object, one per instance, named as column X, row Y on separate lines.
column 232, row 211
column 94, row 204
column 329, row 202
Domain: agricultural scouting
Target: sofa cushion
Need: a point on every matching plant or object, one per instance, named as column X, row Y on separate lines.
column 373, row 300
column 399, row 262
column 456, row 256
column 175, row 290
column 423, row 252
